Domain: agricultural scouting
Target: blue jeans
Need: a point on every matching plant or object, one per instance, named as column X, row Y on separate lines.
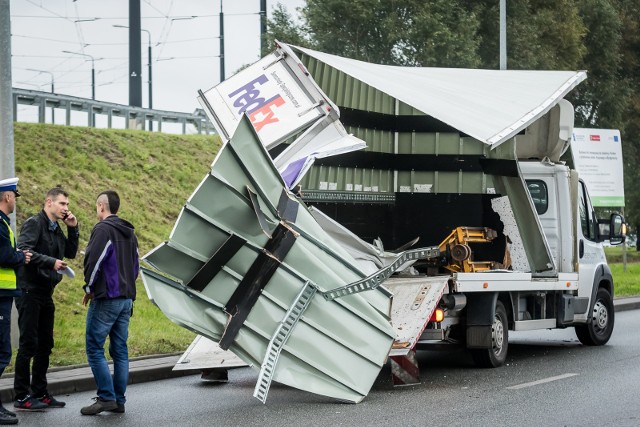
column 109, row 317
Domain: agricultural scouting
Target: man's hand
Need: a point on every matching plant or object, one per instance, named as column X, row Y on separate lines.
column 70, row 219
column 59, row 265
column 86, row 298
column 27, row 256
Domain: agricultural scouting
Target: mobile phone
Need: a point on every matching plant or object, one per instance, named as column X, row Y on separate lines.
column 65, row 216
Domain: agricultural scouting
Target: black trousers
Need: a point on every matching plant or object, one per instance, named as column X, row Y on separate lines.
column 35, row 318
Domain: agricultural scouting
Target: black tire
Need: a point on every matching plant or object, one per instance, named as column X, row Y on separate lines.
column 496, row 355
column 599, row 326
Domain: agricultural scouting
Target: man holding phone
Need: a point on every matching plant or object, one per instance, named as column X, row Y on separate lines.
column 42, row 235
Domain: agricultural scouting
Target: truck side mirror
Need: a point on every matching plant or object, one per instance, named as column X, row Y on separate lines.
column 617, row 229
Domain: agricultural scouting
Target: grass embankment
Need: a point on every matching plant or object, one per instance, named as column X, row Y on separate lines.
column 154, row 174
column 627, row 283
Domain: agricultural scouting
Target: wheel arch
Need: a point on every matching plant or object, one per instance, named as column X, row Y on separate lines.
column 602, row 278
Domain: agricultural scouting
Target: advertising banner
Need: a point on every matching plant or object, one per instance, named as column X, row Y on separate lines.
column 597, row 156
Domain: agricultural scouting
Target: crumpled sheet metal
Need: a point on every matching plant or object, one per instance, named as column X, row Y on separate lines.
column 338, row 347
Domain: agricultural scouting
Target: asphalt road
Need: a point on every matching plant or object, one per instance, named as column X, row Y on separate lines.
column 550, row 380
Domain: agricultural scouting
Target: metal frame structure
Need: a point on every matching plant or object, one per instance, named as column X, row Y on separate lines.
column 68, row 103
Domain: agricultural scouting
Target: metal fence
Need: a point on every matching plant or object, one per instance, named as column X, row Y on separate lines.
column 135, row 117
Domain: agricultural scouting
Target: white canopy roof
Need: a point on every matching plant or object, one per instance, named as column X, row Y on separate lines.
column 489, row 105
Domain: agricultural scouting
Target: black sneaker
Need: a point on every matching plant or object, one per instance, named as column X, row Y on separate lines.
column 51, row 402
column 99, row 406
column 29, row 403
column 119, row 409
column 5, row 411
column 6, row 419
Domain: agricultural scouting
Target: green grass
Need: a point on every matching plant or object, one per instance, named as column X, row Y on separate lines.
column 626, row 283
column 154, row 174
column 615, row 254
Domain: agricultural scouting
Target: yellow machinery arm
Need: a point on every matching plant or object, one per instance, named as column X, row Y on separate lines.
column 458, row 252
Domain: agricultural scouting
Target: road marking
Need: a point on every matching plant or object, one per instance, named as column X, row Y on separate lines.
column 546, row 380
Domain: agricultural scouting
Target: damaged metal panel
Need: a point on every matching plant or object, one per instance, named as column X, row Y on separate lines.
column 204, row 354
column 236, row 223
column 414, row 301
column 524, row 212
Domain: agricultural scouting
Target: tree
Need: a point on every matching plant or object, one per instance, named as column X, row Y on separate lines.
column 401, row 32
column 541, row 34
column 630, row 123
column 601, row 100
column 282, row 27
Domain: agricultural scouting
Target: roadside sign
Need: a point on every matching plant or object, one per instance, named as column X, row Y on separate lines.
column 597, row 156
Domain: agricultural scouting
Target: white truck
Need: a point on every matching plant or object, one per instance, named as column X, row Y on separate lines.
column 481, row 307
column 466, row 161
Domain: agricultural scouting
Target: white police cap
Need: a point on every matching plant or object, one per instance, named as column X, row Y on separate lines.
column 10, row 184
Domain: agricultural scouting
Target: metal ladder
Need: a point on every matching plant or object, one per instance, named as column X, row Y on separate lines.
column 279, row 339
column 376, row 279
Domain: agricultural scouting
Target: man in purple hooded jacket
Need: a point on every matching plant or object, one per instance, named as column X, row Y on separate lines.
column 110, row 272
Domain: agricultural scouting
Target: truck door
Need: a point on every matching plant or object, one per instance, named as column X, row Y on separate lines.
column 590, row 251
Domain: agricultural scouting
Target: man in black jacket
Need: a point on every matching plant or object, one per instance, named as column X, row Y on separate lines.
column 42, row 235
column 110, row 272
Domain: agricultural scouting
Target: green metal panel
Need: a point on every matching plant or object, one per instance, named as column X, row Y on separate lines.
column 408, row 110
column 377, row 140
column 472, row 146
column 338, row 347
column 348, row 92
column 471, row 182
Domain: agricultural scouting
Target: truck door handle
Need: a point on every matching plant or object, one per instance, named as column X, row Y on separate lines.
column 581, row 248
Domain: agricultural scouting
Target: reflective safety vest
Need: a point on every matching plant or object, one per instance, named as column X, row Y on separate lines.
column 8, row 275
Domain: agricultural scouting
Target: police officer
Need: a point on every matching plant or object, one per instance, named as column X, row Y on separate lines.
column 10, row 258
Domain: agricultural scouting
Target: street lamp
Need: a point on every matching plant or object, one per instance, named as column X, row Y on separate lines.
column 221, row 43
column 93, row 71
column 149, row 71
column 93, row 82
column 53, row 110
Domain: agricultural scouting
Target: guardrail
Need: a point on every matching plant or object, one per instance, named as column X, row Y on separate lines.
column 135, row 117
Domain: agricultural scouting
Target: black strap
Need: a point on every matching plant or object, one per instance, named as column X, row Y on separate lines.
column 259, row 274
column 222, row 256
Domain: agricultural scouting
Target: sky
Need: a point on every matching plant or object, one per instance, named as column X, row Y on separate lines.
column 184, row 39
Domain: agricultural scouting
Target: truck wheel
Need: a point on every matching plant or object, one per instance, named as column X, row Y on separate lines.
column 599, row 326
column 497, row 354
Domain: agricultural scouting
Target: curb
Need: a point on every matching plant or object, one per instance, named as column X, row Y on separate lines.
column 73, row 379
column 624, row 304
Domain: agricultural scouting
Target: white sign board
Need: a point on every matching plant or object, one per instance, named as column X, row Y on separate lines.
column 597, row 156
column 269, row 94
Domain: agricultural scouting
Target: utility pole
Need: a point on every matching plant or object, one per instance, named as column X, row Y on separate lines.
column 7, row 166
column 263, row 27
column 150, row 79
column 93, row 81
column 221, row 43
column 503, row 34
column 150, row 106
column 53, row 109
column 135, row 61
